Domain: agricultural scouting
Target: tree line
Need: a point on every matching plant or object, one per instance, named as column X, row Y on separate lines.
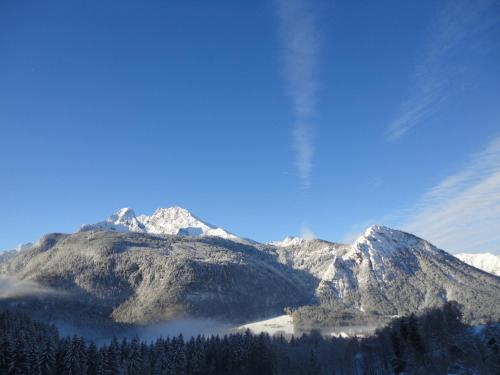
column 435, row 342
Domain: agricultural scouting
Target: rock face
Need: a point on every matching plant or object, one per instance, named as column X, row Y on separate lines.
column 135, row 276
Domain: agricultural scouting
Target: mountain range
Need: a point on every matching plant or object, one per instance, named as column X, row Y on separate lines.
column 143, row 269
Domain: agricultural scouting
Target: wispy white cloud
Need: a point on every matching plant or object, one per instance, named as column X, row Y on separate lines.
column 300, row 47
column 459, row 22
column 307, row 233
column 462, row 213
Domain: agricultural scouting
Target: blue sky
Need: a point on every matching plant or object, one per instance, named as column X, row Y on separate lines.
column 266, row 118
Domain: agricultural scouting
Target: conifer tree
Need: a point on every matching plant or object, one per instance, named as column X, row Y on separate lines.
column 19, row 359
column 134, row 357
column 92, row 360
column 48, row 358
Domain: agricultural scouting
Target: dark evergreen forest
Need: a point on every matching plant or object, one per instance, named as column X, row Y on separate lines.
column 436, row 342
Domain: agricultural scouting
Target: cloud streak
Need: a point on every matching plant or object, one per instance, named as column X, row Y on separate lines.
column 300, row 50
column 462, row 213
column 458, row 23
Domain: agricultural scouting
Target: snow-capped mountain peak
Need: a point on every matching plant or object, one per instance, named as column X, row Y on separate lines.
column 164, row 221
column 375, row 258
column 377, row 239
column 174, row 220
column 288, row 241
column 123, row 215
column 485, row 261
column 385, row 242
column 124, row 220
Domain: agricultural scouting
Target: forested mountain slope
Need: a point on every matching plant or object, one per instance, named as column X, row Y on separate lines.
column 141, row 278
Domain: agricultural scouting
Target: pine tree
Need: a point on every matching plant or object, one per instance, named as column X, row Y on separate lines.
column 6, row 353
column 111, row 364
column 19, row 359
column 179, row 355
column 162, row 366
column 134, row 357
column 260, row 357
column 397, row 361
column 313, row 367
column 33, row 356
column 147, row 359
column 92, row 360
column 48, row 358
column 62, row 348
column 80, row 349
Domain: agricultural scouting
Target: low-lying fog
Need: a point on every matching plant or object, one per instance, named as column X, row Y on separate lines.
column 187, row 327
column 11, row 287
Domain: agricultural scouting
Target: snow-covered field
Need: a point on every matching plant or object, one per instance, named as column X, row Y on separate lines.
column 280, row 324
column 284, row 325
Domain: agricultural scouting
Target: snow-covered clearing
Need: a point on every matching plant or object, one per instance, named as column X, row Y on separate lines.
column 273, row 326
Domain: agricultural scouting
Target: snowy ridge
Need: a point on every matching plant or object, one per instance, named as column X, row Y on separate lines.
column 288, row 241
column 164, row 221
column 487, row 262
column 370, row 252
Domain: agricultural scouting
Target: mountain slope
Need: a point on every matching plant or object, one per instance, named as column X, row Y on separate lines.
column 8, row 254
column 140, row 278
column 390, row 272
column 312, row 256
column 484, row 261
